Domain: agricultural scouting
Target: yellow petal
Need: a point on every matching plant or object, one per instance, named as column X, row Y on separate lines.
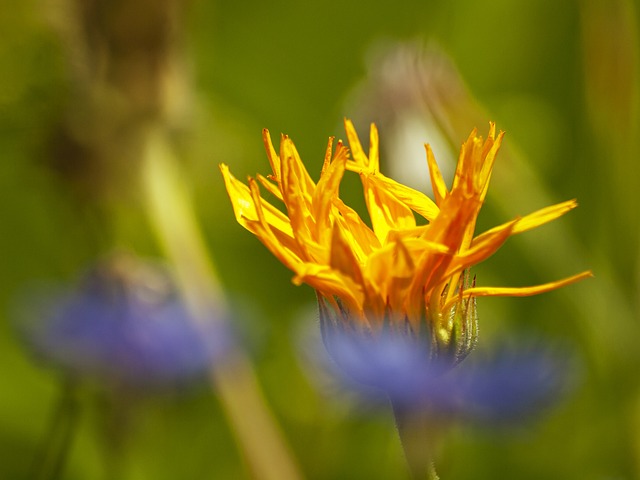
column 478, row 253
column 282, row 246
column 488, row 160
column 274, row 160
column 342, row 258
column 418, row 246
column 356, row 147
column 325, row 192
column 245, row 208
column 385, row 210
column 415, row 200
column 331, row 282
column 438, row 186
column 533, row 220
column 374, row 156
column 388, row 274
column 368, row 168
column 360, row 236
column 395, row 272
column 297, row 198
column 293, row 170
column 483, row 249
column 327, row 155
column 465, row 166
column 273, row 189
column 525, row 291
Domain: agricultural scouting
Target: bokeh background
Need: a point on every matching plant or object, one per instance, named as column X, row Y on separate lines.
column 82, row 80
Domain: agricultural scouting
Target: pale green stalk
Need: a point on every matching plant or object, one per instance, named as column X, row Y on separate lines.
column 174, row 222
column 419, row 436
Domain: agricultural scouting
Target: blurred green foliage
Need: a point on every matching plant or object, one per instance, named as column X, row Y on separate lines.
column 570, row 109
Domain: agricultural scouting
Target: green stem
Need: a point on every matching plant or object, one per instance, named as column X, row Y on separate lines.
column 52, row 456
column 419, row 436
column 117, row 406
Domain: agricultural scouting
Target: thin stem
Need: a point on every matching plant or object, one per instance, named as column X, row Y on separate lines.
column 172, row 216
column 418, row 436
column 54, row 451
column 117, row 405
column 253, row 424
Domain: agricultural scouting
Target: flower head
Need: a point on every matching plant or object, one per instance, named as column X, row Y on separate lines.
column 398, row 275
column 125, row 324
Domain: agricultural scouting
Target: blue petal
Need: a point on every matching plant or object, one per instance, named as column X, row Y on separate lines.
column 508, row 385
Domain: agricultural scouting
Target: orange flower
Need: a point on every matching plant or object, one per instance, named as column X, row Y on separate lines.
column 398, row 274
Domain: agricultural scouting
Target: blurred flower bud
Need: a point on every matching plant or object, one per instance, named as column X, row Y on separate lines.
column 125, row 323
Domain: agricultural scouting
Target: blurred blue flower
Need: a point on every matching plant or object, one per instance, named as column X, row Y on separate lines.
column 512, row 383
column 126, row 323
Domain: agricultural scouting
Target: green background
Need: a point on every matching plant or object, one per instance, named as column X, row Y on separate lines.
column 560, row 77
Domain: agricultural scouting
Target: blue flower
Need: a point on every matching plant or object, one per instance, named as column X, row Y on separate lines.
column 510, row 384
column 126, row 323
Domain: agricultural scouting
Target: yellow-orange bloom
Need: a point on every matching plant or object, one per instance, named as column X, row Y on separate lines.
column 396, row 273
